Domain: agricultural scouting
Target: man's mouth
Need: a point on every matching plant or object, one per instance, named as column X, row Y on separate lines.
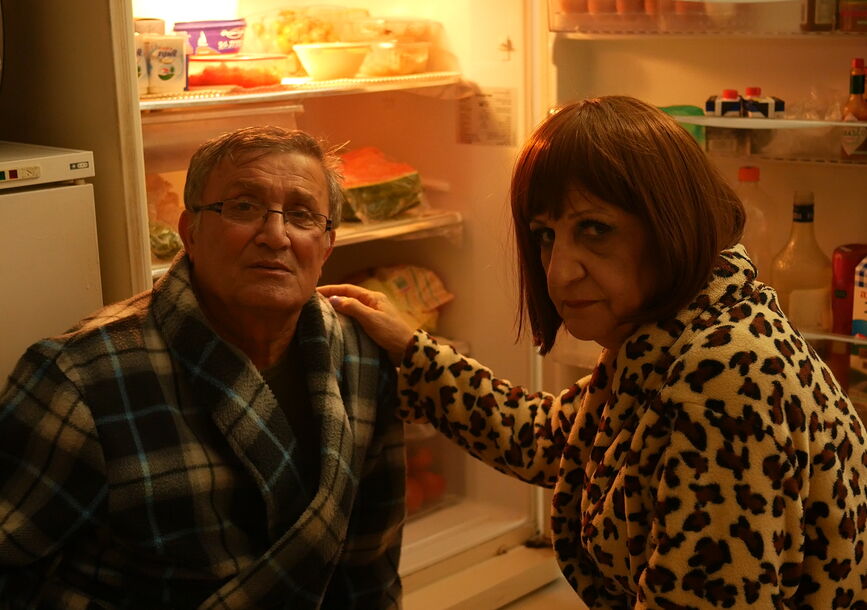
column 271, row 266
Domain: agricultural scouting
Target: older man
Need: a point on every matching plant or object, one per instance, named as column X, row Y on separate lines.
column 225, row 440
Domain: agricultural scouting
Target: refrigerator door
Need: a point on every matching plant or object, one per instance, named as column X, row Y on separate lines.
column 49, row 264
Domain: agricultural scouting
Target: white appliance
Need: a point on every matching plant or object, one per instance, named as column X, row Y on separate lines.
column 463, row 134
column 49, row 262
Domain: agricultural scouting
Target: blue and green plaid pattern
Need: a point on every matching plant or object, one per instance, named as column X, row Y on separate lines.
column 145, row 463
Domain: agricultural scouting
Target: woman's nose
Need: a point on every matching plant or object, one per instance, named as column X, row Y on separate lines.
column 564, row 266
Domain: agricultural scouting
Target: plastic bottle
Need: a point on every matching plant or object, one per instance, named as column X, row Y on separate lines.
column 757, row 205
column 854, row 139
column 801, row 272
column 727, row 104
column 757, row 106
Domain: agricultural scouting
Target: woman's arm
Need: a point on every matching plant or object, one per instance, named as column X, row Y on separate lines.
column 506, row 426
column 515, row 431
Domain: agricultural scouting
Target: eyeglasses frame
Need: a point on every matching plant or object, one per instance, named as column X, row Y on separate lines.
column 217, row 207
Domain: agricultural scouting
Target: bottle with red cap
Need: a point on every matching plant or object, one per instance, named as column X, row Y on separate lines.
column 758, row 206
column 727, row 104
column 757, row 107
column 854, row 139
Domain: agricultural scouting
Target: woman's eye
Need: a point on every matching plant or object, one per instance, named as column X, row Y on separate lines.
column 542, row 236
column 594, row 228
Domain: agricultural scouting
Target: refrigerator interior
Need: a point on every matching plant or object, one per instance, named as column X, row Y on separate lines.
column 465, row 165
column 810, row 71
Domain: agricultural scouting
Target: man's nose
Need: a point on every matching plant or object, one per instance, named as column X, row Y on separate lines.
column 273, row 230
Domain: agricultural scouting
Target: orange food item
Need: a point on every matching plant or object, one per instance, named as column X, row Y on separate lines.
column 225, row 75
column 433, row 485
column 420, row 459
column 414, row 495
column 164, row 204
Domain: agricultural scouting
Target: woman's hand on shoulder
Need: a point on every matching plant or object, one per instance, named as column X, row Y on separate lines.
column 377, row 315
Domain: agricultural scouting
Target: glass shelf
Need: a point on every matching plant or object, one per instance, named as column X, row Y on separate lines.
column 757, row 123
column 412, row 226
column 294, row 89
column 813, row 336
column 637, row 34
column 818, row 161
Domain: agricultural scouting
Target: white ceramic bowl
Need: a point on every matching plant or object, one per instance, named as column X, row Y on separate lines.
column 330, row 60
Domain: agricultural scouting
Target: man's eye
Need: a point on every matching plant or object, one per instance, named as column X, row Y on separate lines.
column 243, row 206
column 300, row 218
column 542, row 236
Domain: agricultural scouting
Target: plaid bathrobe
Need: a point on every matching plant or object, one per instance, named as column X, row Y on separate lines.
column 145, row 463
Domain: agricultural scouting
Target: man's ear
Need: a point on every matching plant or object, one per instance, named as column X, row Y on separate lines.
column 187, row 232
column 332, row 237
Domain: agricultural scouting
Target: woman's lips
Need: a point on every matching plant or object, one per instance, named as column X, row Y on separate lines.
column 578, row 303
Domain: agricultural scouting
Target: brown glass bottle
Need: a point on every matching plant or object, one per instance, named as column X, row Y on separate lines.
column 854, row 139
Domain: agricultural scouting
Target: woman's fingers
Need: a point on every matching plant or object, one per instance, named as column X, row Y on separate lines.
column 349, row 290
column 379, row 318
column 334, row 292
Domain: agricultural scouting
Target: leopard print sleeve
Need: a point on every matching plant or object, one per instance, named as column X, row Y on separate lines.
column 519, row 433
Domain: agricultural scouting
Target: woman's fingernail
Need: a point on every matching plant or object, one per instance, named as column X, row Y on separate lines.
column 335, row 300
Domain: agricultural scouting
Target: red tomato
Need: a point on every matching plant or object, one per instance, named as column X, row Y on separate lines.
column 420, row 459
column 414, row 495
column 433, row 485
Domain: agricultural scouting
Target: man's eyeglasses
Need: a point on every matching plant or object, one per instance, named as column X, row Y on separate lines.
column 242, row 212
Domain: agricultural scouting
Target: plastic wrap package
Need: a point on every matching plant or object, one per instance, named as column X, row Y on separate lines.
column 164, row 209
column 418, row 293
column 377, row 187
column 277, row 31
column 808, row 143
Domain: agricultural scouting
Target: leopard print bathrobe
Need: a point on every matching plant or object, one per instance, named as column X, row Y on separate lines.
column 711, row 461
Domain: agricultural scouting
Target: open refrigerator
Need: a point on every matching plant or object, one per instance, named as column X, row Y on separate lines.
column 498, row 66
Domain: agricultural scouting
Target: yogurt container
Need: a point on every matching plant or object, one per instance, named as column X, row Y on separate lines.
column 214, row 36
column 167, row 67
column 141, row 64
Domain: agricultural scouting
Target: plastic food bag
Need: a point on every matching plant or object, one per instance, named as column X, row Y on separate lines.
column 417, row 292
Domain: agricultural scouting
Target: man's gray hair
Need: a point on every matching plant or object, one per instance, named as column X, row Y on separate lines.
column 264, row 140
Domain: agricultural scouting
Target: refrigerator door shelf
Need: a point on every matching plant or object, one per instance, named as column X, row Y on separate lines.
column 459, row 535
column 494, row 583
